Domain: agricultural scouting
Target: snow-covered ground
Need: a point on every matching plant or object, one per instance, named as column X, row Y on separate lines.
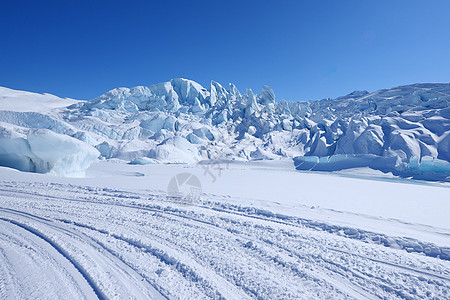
column 257, row 230
column 191, row 193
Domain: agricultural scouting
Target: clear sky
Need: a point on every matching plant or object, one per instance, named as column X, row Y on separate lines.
column 304, row 50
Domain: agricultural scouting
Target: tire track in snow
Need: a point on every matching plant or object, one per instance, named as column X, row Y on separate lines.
column 211, row 226
column 98, row 290
column 2, row 285
column 80, row 269
column 352, row 289
column 185, row 270
column 394, row 265
column 5, row 275
column 187, row 216
column 355, row 287
column 189, row 271
column 184, row 218
column 405, row 244
column 173, row 213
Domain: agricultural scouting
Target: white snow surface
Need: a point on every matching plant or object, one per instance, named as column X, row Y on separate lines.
column 21, row 101
column 260, row 230
column 403, row 130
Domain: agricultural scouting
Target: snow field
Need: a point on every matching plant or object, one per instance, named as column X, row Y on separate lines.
column 127, row 242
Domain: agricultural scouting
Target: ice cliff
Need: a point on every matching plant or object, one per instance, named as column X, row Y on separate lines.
column 404, row 130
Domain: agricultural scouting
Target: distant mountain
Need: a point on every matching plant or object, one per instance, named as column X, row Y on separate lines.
column 404, row 130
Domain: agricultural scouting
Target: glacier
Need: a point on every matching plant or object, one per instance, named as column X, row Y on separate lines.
column 403, row 130
column 290, row 198
column 44, row 151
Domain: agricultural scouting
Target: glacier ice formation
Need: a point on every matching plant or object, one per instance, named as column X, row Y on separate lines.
column 44, row 151
column 404, row 130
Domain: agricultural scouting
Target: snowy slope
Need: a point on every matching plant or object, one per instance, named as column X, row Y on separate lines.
column 21, row 101
column 404, row 130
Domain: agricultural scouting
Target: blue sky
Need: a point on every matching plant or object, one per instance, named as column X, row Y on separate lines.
column 304, row 50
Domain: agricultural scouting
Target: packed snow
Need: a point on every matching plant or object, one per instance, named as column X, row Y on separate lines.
column 258, row 230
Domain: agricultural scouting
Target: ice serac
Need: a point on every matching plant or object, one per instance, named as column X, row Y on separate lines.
column 61, row 155
column 268, row 98
column 44, row 151
column 403, row 130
